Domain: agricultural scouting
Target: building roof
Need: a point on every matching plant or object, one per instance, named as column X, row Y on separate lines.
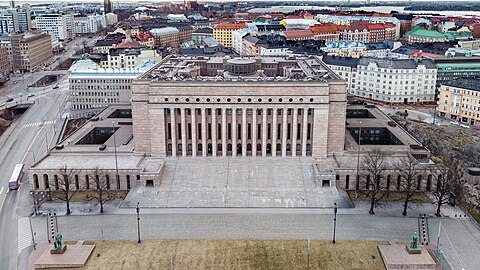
column 465, row 83
column 325, row 28
column 204, row 30
column 229, row 26
column 157, row 32
column 340, row 61
column 396, row 63
column 86, row 68
column 298, row 33
column 419, row 32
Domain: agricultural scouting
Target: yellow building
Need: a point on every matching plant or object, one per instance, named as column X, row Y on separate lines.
column 460, row 100
column 223, row 33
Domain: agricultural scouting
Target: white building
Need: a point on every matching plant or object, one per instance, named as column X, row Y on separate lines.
column 111, row 18
column 237, row 37
column 90, row 24
column 129, row 58
column 346, row 67
column 92, row 88
column 268, row 50
column 404, row 81
column 53, row 24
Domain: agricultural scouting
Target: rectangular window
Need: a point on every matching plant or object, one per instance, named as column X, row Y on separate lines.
column 219, row 132
column 189, row 131
column 298, row 130
column 269, row 127
column 229, row 131
column 169, row 131
column 239, row 131
column 309, row 127
column 249, row 131
column 259, row 131
column 179, row 131
column 289, row 126
column 199, row 131
column 209, row 131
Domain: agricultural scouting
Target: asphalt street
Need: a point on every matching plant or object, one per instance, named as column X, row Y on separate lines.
column 21, row 144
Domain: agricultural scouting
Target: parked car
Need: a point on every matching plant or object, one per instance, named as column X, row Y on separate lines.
column 464, row 126
column 56, row 86
column 102, row 147
column 454, row 123
column 31, row 95
column 9, row 99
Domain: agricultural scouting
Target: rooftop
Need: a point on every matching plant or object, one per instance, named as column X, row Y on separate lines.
column 465, row 83
column 87, row 68
column 215, row 68
column 396, row 63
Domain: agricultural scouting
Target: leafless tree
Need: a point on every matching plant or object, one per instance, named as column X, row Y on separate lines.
column 101, row 185
column 374, row 166
column 408, row 170
column 66, row 185
column 448, row 177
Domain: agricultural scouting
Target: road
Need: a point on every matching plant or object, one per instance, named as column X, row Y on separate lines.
column 24, row 143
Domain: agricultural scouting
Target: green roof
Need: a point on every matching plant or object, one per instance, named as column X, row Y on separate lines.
column 416, row 31
column 458, row 65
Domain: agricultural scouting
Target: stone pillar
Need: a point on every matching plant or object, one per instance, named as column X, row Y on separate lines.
column 304, row 132
column 274, row 132
column 244, row 132
column 184, row 135
column 284, row 132
column 264, row 132
column 194, row 131
column 254, row 132
column 204, row 132
column 234, row 132
column 224, row 132
column 294, row 132
column 214, row 132
column 173, row 125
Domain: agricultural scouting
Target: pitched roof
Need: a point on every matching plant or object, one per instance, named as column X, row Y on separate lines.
column 229, row 26
column 324, row 28
column 419, row 32
column 298, row 33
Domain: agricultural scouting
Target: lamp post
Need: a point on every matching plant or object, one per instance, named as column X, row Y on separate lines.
column 115, row 151
column 358, row 158
column 138, row 222
column 35, row 195
column 334, row 222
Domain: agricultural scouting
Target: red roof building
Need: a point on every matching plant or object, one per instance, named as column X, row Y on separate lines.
column 298, row 34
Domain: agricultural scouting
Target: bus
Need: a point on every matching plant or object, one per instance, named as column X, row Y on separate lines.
column 17, row 174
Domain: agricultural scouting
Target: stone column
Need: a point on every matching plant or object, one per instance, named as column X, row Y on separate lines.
column 264, row 132
column 234, row 132
column 294, row 132
column 244, row 132
column 274, row 132
column 284, row 132
column 254, row 132
column 204, row 132
column 304, row 132
column 184, row 135
column 194, row 131
column 214, row 132
column 173, row 125
column 224, row 132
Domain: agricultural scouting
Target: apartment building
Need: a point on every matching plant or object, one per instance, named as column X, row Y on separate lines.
column 129, row 58
column 406, row 81
column 460, row 100
column 9, row 22
column 89, row 24
column 345, row 67
column 223, row 33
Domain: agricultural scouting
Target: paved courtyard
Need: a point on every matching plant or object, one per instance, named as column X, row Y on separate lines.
column 238, row 182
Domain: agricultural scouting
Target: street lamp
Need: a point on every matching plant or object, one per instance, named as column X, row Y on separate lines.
column 115, row 150
column 358, row 158
column 334, row 222
column 138, row 222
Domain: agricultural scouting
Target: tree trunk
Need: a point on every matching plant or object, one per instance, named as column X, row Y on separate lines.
column 68, row 207
column 101, row 207
column 372, row 205
column 439, row 204
column 405, row 205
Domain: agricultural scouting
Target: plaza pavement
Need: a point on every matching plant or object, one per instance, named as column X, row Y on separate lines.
column 238, row 182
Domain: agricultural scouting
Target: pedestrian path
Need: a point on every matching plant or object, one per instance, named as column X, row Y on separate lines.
column 24, row 233
column 41, row 123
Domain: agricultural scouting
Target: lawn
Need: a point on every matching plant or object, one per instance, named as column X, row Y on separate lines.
column 390, row 196
column 231, row 254
column 81, row 196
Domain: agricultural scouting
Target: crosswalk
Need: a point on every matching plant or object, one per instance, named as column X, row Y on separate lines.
column 41, row 123
column 24, row 233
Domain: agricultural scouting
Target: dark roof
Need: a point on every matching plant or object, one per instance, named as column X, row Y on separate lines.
column 270, row 27
column 340, row 61
column 205, row 30
column 405, row 50
column 465, row 83
column 379, row 45
column 396, row 63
